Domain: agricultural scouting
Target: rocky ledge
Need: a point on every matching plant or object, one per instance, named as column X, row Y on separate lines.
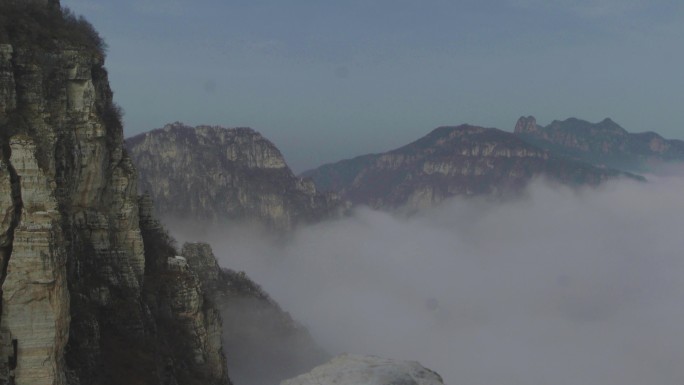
column 350, row 369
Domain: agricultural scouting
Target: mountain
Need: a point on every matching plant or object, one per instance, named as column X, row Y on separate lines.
column 94, row 290
column 215, row 174
column 464, row 160
column 88, row 293
column 605, row 144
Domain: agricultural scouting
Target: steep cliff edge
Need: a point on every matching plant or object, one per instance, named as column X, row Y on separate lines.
column 450, row 161
column 263, row 344
column 216, row 174
column 604, row 143
column 83, row 300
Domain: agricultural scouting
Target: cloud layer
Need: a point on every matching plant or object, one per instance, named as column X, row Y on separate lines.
column 559, row 287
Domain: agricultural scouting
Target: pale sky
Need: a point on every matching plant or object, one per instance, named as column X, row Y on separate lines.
column 326, row 80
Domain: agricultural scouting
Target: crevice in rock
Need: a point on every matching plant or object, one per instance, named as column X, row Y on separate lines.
column 6, row 250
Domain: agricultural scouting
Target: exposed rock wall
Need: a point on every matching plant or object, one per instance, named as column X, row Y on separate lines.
column 35, row 299
column 84, row 300
column 214, row 174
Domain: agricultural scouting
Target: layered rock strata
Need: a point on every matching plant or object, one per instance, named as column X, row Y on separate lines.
column 84, row 297
column 214, row 175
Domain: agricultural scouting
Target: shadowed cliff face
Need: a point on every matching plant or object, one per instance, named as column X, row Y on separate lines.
column 450, row 161
column 263, row 344
column 604, row 144
column 215, row 174
column 83, row 301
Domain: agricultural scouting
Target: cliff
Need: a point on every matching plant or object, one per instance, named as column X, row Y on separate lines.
column 604, row 144
column 88, row 295
column 263, row 344
column 217, row 174
column 450, row 161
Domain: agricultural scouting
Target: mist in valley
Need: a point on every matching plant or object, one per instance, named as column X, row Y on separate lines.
column 559, row 286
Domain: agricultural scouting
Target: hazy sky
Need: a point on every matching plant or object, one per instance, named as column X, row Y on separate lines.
column 326, row 80
column 561, row 287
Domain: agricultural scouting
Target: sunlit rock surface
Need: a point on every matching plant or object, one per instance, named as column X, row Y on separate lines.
column 350, row 369
column 450, row 161
column 212, row 174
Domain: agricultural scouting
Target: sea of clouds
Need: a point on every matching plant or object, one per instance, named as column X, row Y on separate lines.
column 557, row 287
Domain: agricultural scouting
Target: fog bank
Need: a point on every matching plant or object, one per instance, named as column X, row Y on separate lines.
column 559, row 287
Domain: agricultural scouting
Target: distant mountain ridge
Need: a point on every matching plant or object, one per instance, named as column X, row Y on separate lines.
column 449, row 161
column 215, row 174
column 603, row 144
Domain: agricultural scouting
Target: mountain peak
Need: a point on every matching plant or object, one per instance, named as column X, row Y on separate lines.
column 463, row 160
column 212, row 174
column 526, row 124
column 609, row 124
column 605, row 143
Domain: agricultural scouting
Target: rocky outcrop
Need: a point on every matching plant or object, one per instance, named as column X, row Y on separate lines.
column 450, row 161
column 526, row 125
column 263, row 344
column 350, row 369
column 214, row 174
column 85, row 298
column 604, row 144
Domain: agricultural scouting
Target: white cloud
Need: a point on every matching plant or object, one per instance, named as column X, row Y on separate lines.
column 560, row 287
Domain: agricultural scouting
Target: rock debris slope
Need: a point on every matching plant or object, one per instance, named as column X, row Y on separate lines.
column 450, row 161
column 216, row 174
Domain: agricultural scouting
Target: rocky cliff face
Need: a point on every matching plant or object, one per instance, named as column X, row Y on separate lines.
column 263, row 344
column 464, row 160
column 605, row 144
column 85, row 299
column 217, row 174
